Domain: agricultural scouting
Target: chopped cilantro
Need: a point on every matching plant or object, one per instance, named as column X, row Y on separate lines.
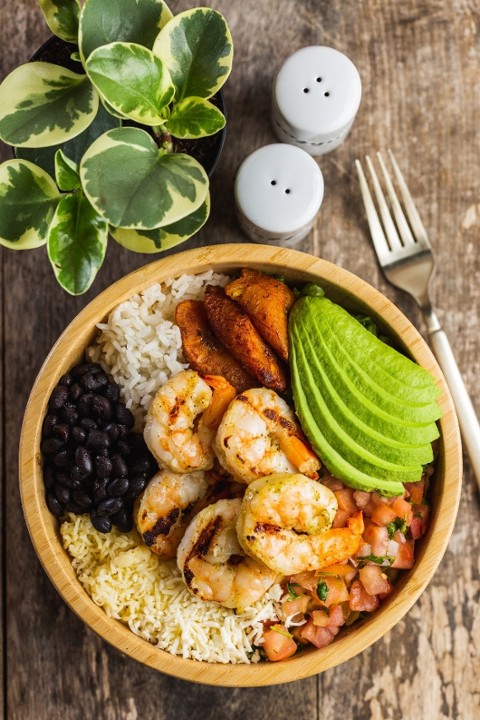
column 291, row 592
column 397, row 524
column 322, row 590
column 380, row 559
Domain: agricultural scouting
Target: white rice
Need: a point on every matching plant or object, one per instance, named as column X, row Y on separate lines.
column 140, row 345
column 133, row 585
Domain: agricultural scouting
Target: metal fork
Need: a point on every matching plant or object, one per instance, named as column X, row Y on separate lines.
column 405, row 256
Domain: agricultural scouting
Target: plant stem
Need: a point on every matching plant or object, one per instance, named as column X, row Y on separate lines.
column 163, row 138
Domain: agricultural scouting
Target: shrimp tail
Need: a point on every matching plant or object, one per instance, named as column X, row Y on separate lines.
column 300, row 455
column 337, row 545
column 223, row 394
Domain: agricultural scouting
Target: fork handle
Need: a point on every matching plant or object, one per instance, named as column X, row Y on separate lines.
column 467, row 418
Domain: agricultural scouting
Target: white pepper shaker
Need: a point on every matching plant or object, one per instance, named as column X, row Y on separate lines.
column 278, row 193
column 316, row 96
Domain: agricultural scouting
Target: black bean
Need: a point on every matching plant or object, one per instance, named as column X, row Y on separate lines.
column 83, row 459
column 113, row 431
column 140, row 466
column 74, row 507
column 55, row 507
column 63, row 458
column 58, row 398
column 118, row 487
column 69, row 414
column 80, row 370
column 123, row 520
column 76, row 391
column 103, row 466
column 109, row 506
column 124, row 416
column 66, row 479
column 88, row 424
column 120, row 467
column 112, row 392
column 62, row 431
column 48, row 476
column 101, row 523
column 66, row 380
column 48, row 424
column 62, row 493
column 82, row 499
column 124, row 431
column 84, row 404
column 51, row 446
column 137, row 485
column 123, row 447
column 77, row 474
column 101, row 408
column 97, row 440
column 104, row 452
column 100, row 488
column 95, row 382
column 79, row 434
column 87, row 381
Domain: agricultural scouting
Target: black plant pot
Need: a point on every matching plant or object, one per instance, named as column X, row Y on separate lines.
column 206, row 150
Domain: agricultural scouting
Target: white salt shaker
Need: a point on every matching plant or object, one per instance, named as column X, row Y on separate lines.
column 278, row 192
column 316, row 95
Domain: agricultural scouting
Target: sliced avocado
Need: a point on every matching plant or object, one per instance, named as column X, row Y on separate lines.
column 370, row 432
column 342, row 441
column 390, row 368
column 371, row 412
column 350, row 417
column 336, row 464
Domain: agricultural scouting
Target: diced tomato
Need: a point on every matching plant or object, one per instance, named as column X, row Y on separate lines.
column 405, row 555
column 356, row 524
column 340, row 519
column 278, row 643
column 308, row 580
column 360, row 599
column 364, row 550
column 332, row 483
column 336, row 590
column 377, row 537
column 374, row 580
column 419, row 525
column 345, row 501
column 294, row 607
column 320, row 618
column 383, row 514
column 341, row 570
column 336, row 616
column 416, row 491
column 318, row 636
column 378, row 499
column 403, row 509
column 361, row 499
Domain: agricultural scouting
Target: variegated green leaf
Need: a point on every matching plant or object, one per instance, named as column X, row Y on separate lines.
column 77, row 243
column 74, row 148
column 133, row 184
column 43, row 104
column 163, row 238
column 28, row 197
column 132, row 80
column 195, row 117
column 66, row 172
column 62, row 17
column 137, row 21
column 198, row 50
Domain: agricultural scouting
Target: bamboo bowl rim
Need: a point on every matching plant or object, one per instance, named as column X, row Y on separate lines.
column 43, row 527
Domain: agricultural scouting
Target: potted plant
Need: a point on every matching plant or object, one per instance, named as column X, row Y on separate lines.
column 142, row 81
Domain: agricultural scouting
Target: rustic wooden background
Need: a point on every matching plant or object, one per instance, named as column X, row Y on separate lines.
column 420, row 65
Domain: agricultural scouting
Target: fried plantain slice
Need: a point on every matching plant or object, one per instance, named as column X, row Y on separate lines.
column 235, row 330
column 267, row 303
column 203, row 351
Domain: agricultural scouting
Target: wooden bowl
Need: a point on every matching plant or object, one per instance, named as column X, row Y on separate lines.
column 340, row 285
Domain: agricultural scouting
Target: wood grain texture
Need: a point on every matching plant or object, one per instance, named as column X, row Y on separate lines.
column 419, row 62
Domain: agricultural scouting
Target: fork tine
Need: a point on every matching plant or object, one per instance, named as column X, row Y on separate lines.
column 388, row 224
column 376, row 230
column 404, row 230
column 413, row 216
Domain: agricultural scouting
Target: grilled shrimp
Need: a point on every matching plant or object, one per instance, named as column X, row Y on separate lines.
column 213, row 564
column 285, row 523
column 166, row 507
column 174, row 434
column 258, row 436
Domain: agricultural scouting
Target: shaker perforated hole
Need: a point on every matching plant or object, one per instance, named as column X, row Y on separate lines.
column 319, row 79
column 306, row 90
column 287, row 191
column 273, row 182
column 327, row 94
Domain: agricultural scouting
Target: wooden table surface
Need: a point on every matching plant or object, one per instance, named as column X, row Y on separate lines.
column 420, row 65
